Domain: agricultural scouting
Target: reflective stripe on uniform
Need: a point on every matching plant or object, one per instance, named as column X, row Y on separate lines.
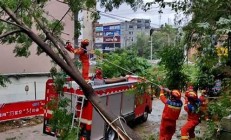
column 174, row 107
column 184, row 137
column 88, row 122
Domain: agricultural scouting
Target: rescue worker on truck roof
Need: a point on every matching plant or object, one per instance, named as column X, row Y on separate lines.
column 170, row 113
column 83, row 56
column 192, row 107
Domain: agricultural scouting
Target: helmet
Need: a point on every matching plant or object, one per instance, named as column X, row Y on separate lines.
column 85, row 42
column 190, row 88
column 192, row 95
column 176, row 94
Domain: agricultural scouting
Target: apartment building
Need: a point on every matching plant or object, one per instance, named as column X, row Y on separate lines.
column 108, row 37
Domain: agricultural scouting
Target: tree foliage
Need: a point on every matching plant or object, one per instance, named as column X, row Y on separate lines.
column 172, row 58
column 123, row 63
column 166, row 35
column 3, row 80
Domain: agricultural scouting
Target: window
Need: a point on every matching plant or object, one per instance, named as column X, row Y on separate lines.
column 130, row 33
column 139, row 21
column 147, row 27
column 138, row 26
column 130, row 26
column 147, row 21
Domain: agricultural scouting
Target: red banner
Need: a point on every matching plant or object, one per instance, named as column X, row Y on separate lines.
column 112, row 39
column 11, row 111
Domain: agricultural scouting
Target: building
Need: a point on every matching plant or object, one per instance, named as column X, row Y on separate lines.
column 108, row 37
column 28, row 76
column 130, row 30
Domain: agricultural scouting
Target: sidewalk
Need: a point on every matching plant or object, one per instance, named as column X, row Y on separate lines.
column 26, row 133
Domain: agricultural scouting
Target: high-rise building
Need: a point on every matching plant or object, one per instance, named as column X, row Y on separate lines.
column 108, row 37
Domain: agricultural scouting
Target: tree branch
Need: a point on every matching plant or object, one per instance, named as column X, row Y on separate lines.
column 16, row 10
column 61, row 1
column 15, row 24
column 10, row 33
column 61, row 19
column 60, row 48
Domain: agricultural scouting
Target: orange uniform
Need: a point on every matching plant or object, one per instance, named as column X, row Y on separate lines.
column 204, row 106
column 170, row 114
column 193, row 110
column 83, row 57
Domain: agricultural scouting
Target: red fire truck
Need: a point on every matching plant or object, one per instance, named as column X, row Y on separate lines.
column 115, row 96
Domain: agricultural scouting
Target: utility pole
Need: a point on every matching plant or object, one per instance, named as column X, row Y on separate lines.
column 88, row 27
column 151, row 48
column 229, row 48
column 151, row 31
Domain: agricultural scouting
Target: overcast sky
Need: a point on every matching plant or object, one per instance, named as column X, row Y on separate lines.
column 126, row 13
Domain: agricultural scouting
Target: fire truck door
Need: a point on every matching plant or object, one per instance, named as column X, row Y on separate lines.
column 114, row 103
column 128, row 101
column 98, row 124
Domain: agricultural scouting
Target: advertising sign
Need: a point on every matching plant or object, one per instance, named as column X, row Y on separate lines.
column 99, row 29
column 99, row 40
column 98, row 46
column 111, row 28
column 112, row 33
column 112, row 39
column 18, row 110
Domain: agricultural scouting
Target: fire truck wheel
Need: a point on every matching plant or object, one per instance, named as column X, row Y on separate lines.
column 111, row 134
column 144, row 117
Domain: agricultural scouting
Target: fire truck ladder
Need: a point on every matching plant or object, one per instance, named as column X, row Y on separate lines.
column 79, row 101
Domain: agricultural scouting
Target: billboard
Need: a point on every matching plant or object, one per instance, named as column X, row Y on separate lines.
column 112, row 33
column 98, row 39
column 111, row 39
column 99, row 29
column 98, row 46
column 111, row 28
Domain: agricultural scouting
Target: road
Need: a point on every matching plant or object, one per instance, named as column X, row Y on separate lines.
column 151, row 127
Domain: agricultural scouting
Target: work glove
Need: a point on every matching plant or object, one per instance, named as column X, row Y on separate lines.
column 69, row 47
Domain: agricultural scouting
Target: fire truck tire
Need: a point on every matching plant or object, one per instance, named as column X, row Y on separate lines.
column 144, row 117
column 111, row 134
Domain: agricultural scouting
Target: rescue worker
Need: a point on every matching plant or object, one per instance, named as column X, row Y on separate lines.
column 204, row 105
column 83, row 56
column 170, row 113
column 192, row 107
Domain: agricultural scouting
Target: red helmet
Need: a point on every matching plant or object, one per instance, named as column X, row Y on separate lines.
column 192, row 95
column 85, row 42
column 190, row 88
column 176, row 94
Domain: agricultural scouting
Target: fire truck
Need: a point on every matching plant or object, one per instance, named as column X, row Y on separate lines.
column 116, row 96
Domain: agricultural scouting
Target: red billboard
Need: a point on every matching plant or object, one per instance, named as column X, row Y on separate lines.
column 112, row 39
column 11, row 111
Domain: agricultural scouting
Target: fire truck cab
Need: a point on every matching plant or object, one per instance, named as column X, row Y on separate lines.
column 114, row 96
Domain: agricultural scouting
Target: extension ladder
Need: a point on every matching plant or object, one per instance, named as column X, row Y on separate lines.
column 79, row 101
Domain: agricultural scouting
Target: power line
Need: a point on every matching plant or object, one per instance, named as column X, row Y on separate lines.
column 117, row 17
